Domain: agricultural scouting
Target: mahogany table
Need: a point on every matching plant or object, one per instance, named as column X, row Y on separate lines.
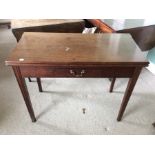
column 76, row 56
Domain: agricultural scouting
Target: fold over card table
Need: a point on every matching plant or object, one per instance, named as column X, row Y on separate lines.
column 69, row 55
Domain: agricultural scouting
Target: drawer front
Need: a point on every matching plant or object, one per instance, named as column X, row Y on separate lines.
column 76, row 72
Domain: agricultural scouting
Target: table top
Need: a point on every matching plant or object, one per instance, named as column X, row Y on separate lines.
column 36, row 48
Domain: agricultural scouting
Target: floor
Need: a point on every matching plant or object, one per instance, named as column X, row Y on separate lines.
column 59, row 109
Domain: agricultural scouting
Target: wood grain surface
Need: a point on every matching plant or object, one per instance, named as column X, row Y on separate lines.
column 69, row 49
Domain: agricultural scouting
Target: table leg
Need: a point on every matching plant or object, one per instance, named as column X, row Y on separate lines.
column 39, row 85
column 110, row 79
column 9, row 25
column 128, row 92
column 29, row 79
column 112, row 84
column 23, row 88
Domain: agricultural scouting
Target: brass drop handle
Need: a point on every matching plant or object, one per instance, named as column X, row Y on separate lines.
column 77, row 75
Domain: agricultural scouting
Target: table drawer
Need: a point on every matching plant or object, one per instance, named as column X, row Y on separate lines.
column 80, row 72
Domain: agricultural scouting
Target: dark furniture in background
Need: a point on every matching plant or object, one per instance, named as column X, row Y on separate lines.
column 5, row 22
column 143, row 36
column 46, row 25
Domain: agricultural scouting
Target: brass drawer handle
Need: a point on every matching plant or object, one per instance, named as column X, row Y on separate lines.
column 77, row 75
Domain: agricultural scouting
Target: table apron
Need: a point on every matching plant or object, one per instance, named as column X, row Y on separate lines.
column 76, row 72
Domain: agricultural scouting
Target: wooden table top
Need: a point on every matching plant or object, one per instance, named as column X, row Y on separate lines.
column 76, row 49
